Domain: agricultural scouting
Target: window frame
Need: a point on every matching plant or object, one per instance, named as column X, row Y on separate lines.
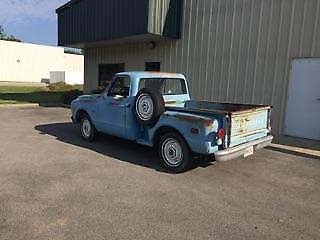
column 108, row 92
column 164, row 79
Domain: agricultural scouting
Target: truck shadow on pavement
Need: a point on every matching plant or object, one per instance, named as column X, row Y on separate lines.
column 110, row 146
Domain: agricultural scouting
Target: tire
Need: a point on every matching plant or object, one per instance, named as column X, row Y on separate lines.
column 174, row 153
column 87, row 130
column 149, row 105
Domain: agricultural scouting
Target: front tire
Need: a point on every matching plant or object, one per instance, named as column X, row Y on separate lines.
column 87, row 129
column 174, row 153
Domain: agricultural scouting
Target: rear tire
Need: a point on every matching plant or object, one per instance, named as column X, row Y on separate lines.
column 87, row 130
column 174, row 153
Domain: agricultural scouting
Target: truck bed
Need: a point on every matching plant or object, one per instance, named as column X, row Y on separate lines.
column 244, row 122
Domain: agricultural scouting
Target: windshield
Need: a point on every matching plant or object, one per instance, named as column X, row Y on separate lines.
column 166, row 86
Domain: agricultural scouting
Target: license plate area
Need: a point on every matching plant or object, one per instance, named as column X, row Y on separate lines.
column 248, row 152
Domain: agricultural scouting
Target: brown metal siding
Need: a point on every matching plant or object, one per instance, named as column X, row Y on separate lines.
column 231, row 50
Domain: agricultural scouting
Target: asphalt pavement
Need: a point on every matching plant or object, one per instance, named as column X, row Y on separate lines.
column 54, row 185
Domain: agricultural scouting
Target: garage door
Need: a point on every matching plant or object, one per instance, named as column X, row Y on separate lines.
column 303, row 106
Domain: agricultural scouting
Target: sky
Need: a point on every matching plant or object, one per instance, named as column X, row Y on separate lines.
column 33, row 21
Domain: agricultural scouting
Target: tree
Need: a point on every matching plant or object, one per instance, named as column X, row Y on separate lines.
column 3, row 36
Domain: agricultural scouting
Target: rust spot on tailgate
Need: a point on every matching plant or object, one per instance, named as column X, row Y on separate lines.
column 246, row 122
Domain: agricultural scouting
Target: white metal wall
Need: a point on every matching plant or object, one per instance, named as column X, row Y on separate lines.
column 231, row 50
column 24, row 62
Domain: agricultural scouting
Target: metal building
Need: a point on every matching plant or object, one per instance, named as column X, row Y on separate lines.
column 32, row 63
column 245, row 51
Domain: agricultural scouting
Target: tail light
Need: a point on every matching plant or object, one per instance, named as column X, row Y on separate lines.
column 221, row 133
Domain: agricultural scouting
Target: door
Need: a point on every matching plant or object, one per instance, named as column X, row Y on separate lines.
column 303, row 106
column 112, row 107
column 107, row 71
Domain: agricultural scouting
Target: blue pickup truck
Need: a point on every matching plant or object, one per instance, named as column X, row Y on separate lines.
column 154, row 109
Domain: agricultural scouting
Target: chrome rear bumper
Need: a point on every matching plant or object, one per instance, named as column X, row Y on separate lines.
column 237, row 151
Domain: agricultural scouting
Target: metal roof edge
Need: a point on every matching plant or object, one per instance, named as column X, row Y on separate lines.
column 66, row 5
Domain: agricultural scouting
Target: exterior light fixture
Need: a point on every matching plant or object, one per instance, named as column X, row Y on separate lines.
column 151, row 45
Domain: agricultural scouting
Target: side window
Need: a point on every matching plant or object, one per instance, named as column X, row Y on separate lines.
column 155, row 84
column 166, row 86
column 173, row 86
column 120, row 87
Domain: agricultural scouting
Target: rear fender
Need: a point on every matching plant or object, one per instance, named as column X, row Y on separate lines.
column 194, row 129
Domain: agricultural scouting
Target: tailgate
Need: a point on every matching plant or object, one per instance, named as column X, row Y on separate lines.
column 249, row 125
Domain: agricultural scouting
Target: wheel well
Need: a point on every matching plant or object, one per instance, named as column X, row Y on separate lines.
column 163, row 130
column 80, row 114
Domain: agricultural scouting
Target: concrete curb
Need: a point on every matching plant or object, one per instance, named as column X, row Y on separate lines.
column 304, row 152
column 54, row 105
column 19, row 105
column 34, row 105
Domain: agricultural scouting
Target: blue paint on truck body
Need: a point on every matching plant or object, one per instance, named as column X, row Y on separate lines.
column 197, row 122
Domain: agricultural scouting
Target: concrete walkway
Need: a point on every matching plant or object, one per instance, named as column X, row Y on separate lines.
column 22, row 84
column 19, row 105
column 297, row 146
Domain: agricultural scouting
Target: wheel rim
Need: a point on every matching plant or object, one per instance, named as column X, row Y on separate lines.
column 144, row 107
column 86, row 128
column 172, row 152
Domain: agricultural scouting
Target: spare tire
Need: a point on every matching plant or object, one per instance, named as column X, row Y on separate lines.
column 149, row 105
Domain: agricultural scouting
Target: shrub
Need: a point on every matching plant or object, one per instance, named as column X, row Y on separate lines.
column 69, row 96
column 61, row 87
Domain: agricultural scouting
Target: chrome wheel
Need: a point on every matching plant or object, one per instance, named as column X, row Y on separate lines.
column 172, row 152
column 86, row 128
column 144, row 107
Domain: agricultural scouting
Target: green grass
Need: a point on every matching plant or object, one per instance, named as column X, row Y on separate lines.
column 62, row 87
column 20, row 89
column 18, row 95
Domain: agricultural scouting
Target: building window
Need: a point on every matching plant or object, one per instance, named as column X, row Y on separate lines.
column 153, row 66
column 107, row 71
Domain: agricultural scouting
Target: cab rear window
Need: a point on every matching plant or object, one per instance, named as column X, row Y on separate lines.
column 166, row 86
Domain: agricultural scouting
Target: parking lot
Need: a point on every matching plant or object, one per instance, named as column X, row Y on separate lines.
column 53, row 185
